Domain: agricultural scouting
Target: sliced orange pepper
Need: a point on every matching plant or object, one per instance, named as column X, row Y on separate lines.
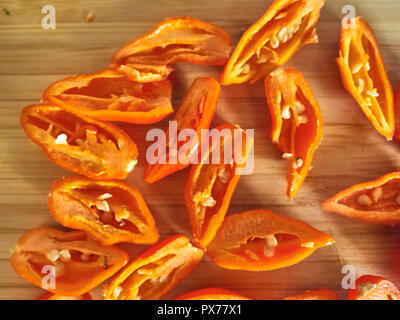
column 297, row 124
column 319, row 294
column 374, row 288
column 211, row 294
column 260, row 240
column 110, row 211
column 96, row 149
column 155, row 272
column 376, row 201
column 111, row 96
column 195, row 112
column 210, row 186
column 52, row 296
column 272, row 40
column 397, row 114
column 364, row 76
column 179, row 39
column 80, row 264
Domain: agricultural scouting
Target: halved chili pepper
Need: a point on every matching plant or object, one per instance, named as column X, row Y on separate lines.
column 195, row 112
column 297, row 124
column 364, row 76
column 397, row 113
column 52, row 296
column 374, row 288
column 261, row 240
column 376, row 201
column 319, row 294
column 179, row 39
column 111, row 96
column 78, row 263
column 211, row 184
column 110, row 211
column 155, row 272
column 272, row 40
column 96, row 149
column 211, row 294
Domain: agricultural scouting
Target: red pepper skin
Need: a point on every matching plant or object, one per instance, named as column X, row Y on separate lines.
column 156, row 271
column 374, row 288
column 150, row 57
column 363, row 71
column 92, row 148
column 74, row 275
column 109, row 95
column 206, row 182
column 260, row 240
column 319, row 294
column 52, row 296
column 211, row 294
column 195, row 112
column 270, row 42
column 123, row 216
column 297, row 124
column 374, row 201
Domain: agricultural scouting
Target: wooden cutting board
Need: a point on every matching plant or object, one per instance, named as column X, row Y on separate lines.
column 31, row 58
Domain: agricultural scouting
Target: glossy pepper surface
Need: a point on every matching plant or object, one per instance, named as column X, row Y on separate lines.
column 297, row 124
column 270, row 42
column 110, row 211
column 364, row 75
column 261, row 240
column 77, row 263
column 95, row 149
column 111, row 96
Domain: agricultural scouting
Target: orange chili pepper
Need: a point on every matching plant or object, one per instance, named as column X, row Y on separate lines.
column 211, row 294
column 110, row 211
column 397, row 114
column 79, row 263
column 52, row 296
column 111, row 96
column 210, row 185
column 260, row 240
column 155, row 272
column 374, row 288
column 96, row 149
column 376, row 201
column 364, row 76
column 297, row 124
column 179, row 39
column 195, row 112
column 269, row 43
column 319, row 294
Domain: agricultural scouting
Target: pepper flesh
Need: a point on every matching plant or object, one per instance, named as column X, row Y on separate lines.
column 210, row 185
column 364, row 76
column 155, row 272
column 80, row 264
column 269, row 43
column 52, row 296
column 297, row 124
column 95, row 149
column 179, row 39
column 110, row 211
column 111, row 96
column 319, row 294
column 195, row 112
column 211, row 294
column 374, row 288
column 376, row 201
column 261, row 240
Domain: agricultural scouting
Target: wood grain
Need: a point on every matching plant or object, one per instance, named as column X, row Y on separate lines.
column 351, row 152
